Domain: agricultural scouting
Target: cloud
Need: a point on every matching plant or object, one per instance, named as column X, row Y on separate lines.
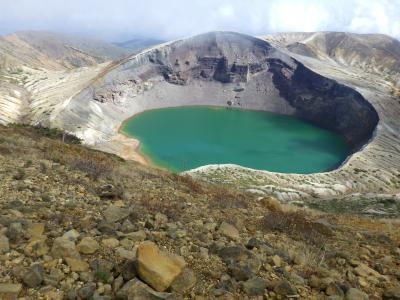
column 123, row 19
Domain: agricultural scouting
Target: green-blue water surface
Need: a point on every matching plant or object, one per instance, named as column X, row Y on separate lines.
column 184, row 138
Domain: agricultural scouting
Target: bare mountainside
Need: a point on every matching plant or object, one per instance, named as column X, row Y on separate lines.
column 232, row 70
column 42, row 67
column 376, row 53
column 51, row 50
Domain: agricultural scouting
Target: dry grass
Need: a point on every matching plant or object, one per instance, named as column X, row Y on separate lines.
column 192, row 185
column 222, row 198
column 298, row 225
column 155, row 204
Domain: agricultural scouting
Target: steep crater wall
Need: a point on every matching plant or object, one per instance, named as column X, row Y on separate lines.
column 225, row 69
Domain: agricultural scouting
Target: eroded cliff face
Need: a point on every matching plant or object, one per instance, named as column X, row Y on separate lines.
column 251, row 73
column 325, row 102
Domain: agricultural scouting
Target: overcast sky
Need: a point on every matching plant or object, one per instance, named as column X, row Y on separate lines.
column 118, row 20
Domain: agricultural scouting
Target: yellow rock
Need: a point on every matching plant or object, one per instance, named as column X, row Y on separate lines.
column 35, row 230
column 37, row 247
column 88, row 245
column 229, row 231
column 158, row 269
column 77, row 265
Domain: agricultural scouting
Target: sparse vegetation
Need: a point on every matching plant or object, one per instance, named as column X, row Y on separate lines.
column 20, row 174
column 70, row 187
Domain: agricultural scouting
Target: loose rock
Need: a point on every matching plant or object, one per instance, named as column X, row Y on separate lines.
column 158, row 269
column 229, row 231
column 115, row 214
column 88, row 245
column 34, row 277
column 254, row 286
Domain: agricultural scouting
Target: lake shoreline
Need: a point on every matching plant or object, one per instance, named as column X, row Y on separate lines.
column 243, row 127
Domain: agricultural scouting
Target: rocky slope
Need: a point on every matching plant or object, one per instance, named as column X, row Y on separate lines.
column 82, row 224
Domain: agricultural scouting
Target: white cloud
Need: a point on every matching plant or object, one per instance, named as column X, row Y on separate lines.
column 297, row 16
column 377, row 16
column 122, row 19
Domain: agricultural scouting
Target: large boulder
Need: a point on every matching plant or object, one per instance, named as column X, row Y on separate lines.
column 158, row 269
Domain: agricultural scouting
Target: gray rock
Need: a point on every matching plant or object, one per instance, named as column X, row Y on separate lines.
column 184, row 282
column 392, row 294
column 231, row 253
column 284, row 288
column 71, row 295
column 34, row 277
column 87, row 291
column 71, row 235
column 125, row 254
column 227, row 284
column 101, row 265
column 334, row 297
column 54, row 277
column 334, row 289
column 86, row 276
column 117, row 284
column 109, row 191
column 10, row 290
column 114, row 214
column 15, row 232
column 106, row 228
column 4, row 244
column 253, row 243
column 254, row 286
column 127, row 226
column 355, row 294
column 140, row 291
column 137, row 236
column 296, row 279
column 63, row 247
column 241, row 272
column 129, row 270
column 88, row 245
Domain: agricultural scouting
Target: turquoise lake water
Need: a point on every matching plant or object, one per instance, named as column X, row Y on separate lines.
column 184, row 138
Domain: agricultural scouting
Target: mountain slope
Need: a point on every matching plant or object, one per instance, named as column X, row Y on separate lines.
column 40, row 70
column 67, row 51
column 376, row 53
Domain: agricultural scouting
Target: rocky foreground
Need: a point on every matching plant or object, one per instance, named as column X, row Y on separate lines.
column 81, row 224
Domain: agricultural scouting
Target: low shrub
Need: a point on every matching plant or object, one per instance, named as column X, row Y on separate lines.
column 297, row 225
column 20, row 174
column 222, row 198
column 192, row 184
